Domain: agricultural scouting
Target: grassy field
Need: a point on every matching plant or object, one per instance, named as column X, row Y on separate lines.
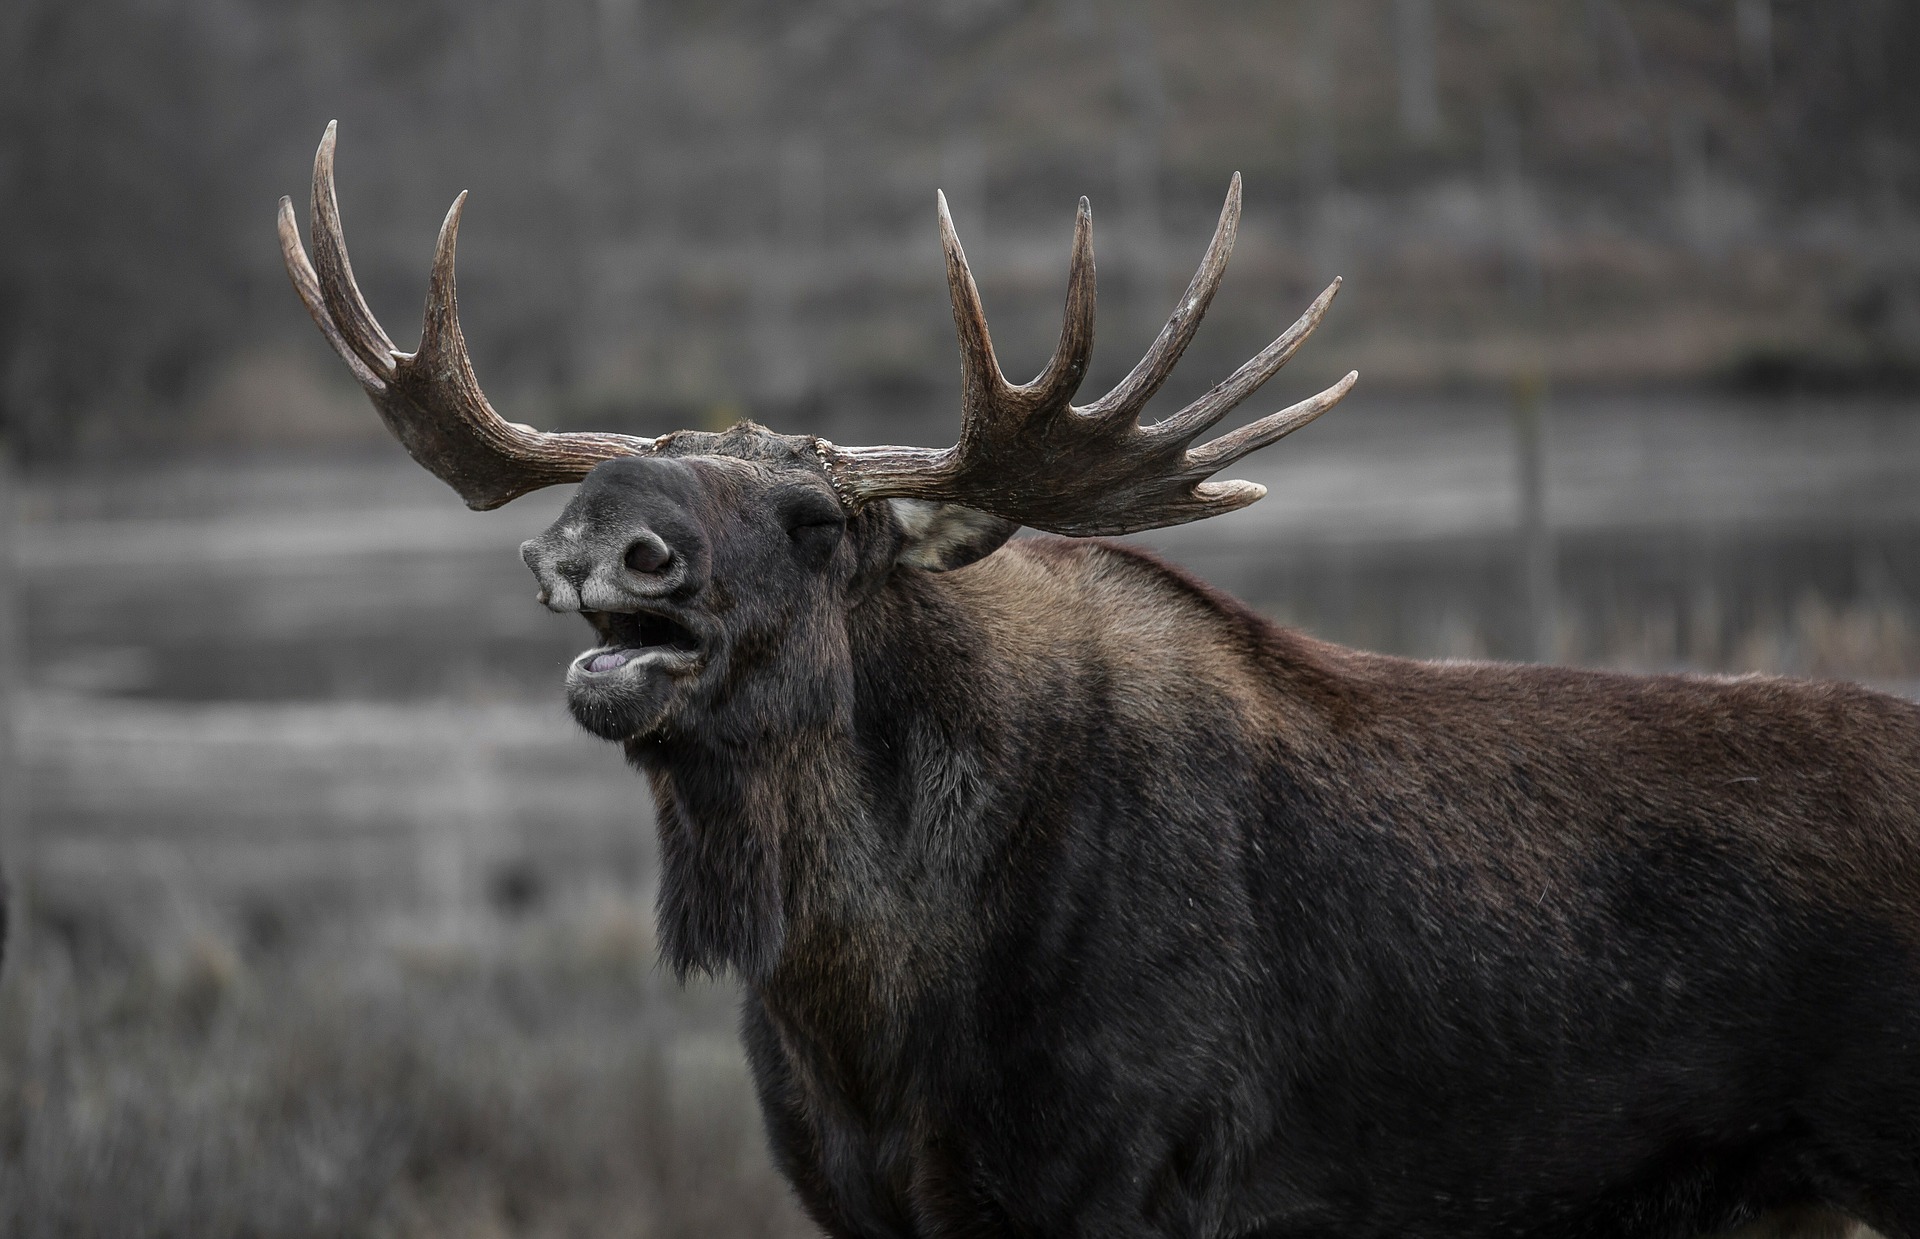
column 340, row 926
column 543, row 1081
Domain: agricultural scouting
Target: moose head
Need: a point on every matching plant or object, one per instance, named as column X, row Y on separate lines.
column 705, row 562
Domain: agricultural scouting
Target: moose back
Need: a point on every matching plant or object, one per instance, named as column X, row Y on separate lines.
column 1071, row 897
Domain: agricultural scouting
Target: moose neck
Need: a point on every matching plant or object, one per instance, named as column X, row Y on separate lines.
column 838, row 843
column 848, row 855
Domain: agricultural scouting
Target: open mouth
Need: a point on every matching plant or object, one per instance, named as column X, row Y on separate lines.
column 628, row 638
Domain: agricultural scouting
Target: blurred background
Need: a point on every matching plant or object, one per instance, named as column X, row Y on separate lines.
column 326, row 919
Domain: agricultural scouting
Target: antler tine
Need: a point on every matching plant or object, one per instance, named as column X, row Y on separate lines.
column 1131, row 394
column 430, row 399
column 985, row 389
column 1225, row 395
column 443, row 346
column 1218, row 453
column 307, row 283
column 1065, row 371
column 348, row 308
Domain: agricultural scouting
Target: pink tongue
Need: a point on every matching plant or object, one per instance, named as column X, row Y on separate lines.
column 607, row 662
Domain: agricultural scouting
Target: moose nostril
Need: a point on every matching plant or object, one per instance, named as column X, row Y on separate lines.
column 648, row 554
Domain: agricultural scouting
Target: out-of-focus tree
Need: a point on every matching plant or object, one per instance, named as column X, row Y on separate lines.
column 682, row 213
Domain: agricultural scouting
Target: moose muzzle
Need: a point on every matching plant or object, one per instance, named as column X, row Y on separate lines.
column 624, row 544
column 583, row 569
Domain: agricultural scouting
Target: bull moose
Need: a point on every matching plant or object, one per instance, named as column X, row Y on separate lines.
column 1071, row 897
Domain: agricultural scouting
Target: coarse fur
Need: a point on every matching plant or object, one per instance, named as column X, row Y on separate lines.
column 1072, row 897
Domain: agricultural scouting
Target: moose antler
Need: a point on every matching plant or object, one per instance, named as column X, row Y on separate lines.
column 1028, row 454
column 1025, row 453
column 429, row 398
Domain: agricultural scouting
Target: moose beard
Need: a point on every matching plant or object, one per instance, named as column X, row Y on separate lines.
column 727, row 830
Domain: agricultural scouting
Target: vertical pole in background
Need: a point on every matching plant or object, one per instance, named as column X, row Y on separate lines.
column 15, row 837
column 1521, row 228
column 1538, row 570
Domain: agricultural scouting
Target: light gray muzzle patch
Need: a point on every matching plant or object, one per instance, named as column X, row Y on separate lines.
column 583, row 569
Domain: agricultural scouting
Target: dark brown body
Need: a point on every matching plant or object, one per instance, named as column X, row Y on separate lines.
column 1111, row 909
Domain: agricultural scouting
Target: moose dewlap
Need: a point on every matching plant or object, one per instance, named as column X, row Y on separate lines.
column 1071, row 897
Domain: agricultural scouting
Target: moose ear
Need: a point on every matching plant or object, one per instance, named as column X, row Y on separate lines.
column 940, row 537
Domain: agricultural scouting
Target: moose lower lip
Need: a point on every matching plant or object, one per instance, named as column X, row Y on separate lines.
column 609, row 661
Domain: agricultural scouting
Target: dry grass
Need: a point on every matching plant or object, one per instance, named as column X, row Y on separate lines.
column 1873, row 640
column 1876, row 640
column 547, row 1082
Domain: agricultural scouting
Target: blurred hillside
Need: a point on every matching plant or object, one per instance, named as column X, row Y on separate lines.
column 684, row 213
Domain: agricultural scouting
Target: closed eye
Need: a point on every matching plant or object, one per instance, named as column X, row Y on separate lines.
column 811, row 513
